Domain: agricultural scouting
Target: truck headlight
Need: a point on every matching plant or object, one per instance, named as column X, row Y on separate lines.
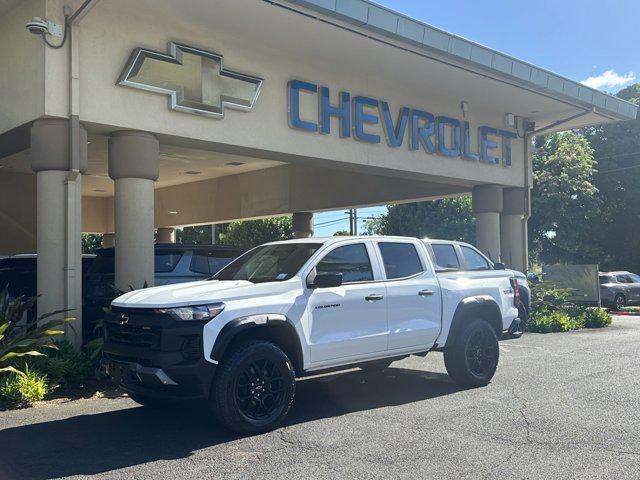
column 197, row 313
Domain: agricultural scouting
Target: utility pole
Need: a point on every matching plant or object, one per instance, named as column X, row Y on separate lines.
column 353, row 221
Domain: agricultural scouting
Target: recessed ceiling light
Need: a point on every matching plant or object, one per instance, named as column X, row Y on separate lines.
column 172, row 212
column 192, row 172
column 235, row 164
column 99, row 190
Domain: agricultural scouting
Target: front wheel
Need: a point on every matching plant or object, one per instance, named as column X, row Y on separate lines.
column 472, row 357
column 254, row 388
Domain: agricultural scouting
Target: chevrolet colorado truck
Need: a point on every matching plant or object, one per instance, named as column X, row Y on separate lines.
column 295, row 308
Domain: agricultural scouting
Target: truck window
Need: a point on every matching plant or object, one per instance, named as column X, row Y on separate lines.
column 351, row 260
column 445, row 256
column 199, row 264
column 473, row 260
column 269, row 263
column 166, row 261
column 400, row 259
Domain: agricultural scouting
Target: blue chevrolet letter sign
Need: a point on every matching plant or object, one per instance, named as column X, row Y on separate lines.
column 361, row 116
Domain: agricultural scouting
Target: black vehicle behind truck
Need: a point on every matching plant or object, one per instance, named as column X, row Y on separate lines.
column 174, row 263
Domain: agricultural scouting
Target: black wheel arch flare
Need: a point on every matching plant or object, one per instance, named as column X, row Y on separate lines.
column 274, row 327
column 481, row 306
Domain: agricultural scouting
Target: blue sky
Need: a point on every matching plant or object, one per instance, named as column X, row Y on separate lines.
column 580, row 39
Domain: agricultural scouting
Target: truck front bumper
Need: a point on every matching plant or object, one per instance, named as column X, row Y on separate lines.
column 151, row 354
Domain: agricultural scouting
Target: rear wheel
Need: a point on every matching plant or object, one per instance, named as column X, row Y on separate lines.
column 619, row 302
column 254, row 388
column 472, row 357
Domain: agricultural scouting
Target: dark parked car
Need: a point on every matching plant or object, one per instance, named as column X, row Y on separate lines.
column 618, row 289
column 20, row 273
column 174, row 263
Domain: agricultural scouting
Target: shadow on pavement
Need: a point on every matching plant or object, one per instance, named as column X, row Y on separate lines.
column 97, row 443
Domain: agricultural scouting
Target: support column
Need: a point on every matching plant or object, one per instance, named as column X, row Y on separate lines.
column 487, row 207
column 166, row 235
column 302, row 224
column 513, row 228
column 108, row 240
column 59, row 221
column 133, row 165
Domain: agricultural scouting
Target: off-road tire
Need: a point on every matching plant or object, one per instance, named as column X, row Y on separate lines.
column 237, row 393
column 151, row 402
column 475, row 340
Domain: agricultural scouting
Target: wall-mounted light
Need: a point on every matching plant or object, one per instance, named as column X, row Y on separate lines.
column 464, row 107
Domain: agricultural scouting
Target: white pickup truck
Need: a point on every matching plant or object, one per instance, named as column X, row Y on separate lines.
column 295, row 308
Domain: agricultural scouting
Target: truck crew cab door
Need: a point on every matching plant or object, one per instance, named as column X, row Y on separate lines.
column 349, row 321
column 413, row 293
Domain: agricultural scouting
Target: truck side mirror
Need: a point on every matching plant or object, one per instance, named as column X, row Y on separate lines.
column 499, row 266
column 328, row 280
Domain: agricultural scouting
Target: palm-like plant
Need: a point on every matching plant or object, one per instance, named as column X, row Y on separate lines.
column 24, row 340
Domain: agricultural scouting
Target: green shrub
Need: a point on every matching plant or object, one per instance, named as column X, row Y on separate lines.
column 596, row 318
column 547, row 321
column 66, row 365
column 19, row 341
column 28, row 387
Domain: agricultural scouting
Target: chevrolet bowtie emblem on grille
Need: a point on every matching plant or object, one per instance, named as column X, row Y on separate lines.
column 123, row 319
column 195, row 80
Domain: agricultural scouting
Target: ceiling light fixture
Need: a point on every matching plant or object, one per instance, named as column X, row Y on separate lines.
column 192, row 172
column 235, row 164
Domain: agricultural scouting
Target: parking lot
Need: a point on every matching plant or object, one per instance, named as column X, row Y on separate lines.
column 561, row 406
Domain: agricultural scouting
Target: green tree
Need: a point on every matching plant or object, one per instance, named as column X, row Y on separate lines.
column 91, row 242
column 616, row 229
column 450, row 218
column 563, row 199
column 250, row 233
column 198, row 235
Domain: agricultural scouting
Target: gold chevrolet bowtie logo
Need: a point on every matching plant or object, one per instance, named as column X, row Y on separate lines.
column 195, row 80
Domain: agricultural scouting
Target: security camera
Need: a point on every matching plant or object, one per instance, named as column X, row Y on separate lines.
column 37, row 26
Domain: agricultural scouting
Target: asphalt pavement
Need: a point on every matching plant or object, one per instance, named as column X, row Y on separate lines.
column 560, row 406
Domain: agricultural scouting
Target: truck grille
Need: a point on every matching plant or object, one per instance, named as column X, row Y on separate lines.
column 135, row 335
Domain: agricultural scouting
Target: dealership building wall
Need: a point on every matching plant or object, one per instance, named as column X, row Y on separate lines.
column 326, row 105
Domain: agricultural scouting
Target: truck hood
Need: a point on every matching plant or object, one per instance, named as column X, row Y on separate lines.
column 198, row 293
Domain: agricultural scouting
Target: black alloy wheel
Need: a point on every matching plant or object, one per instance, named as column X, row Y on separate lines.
column 253, row 388
column 260, row 389
column 480, row 353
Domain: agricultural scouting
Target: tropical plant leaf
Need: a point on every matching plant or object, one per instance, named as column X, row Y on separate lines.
column 12, row 369
column 30, row 353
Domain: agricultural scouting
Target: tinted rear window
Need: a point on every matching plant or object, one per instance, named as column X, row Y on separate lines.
column 604, row 279
column 400, row 260
column 445, row 256
column 166, row 261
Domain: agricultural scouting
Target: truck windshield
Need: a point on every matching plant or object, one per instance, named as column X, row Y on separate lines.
column 269, row 263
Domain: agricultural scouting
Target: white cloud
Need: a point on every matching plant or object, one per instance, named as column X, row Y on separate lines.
column 609, row 80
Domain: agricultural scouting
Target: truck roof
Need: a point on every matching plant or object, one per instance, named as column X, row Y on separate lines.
column 341, row 238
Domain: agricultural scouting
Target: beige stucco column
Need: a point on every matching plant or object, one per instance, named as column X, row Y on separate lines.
column 302, row 224
column 59, row 221
column 513, row 228
column 487, row 207
column 108, row 240
column 133, row 165
column 166, row 235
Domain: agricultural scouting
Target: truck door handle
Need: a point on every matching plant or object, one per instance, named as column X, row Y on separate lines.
column 374, row 297
column 426, row 293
